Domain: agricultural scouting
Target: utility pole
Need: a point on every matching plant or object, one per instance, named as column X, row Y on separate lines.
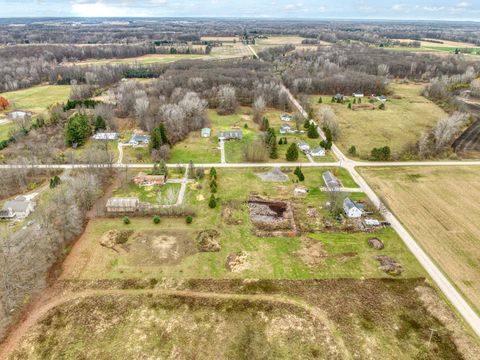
column 431, row 335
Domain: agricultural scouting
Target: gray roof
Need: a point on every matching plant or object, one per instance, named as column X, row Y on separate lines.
column 330, row 180
column 122, row 202
column 17, row 205
column 140, row 138
column 231, row 134
column 349, row 204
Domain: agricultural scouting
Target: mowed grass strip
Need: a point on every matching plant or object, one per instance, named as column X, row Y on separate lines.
column 37, row 99
column 439, row 206
column 403, row 122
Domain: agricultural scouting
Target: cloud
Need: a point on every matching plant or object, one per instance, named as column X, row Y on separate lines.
column 101, row 9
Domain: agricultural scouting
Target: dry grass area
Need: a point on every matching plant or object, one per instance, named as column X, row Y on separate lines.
column 220, row 38
column 280, row 40
column 246, row 319
column 445, row 43
column 407, row 116
column 439, row 206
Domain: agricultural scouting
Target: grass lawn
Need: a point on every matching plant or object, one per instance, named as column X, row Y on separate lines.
column 403, row 122
column 439, row 206
column 165, row 195
column 347, row 254
column 6, row 129
column 38, row 98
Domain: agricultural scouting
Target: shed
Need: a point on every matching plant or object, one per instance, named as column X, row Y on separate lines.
column 358, row 94
column 350, row 208
column 371, row 222
column 17, row 115
column 122, row 204
column 206, row 132
column 331, row 182
column 285, row 117
column 286, row 129
column 303, row 146
column 231, row 135
column 382, row 98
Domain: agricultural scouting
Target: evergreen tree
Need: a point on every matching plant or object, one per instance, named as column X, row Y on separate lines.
column 280, row 142
column 77, row 130
column 163, row 133
column 213, row 186
column 156, row 139
column 213, row 173
column 284, row 141
column 306, row 124
column 352, row 151
column 349, row 105
column 212, row 202
column 299, row 173
column 333, row 99
column 292, row 153
column 382, row 106
column 265, row 124
column 273, row 147
column 269, row 135
column 163, row 169
column 312, row 131
column 100, row 124
column 320, row 100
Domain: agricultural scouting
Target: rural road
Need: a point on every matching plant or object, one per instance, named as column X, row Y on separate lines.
column 222, row 151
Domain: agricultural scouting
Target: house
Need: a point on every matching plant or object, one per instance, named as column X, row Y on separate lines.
column 206, row 132
column 331, row 182
column 286, row 129
column 382, row 98
column 350, row 208
column 319, row 151
column 21, row 207
column 358, row 95
column 143, row 179
column 139, row 140
column 371, row 222
column 340, row 97
column 230, row 135
column 122, row 204
column 17, row 115
column 303, row 146
column 285, row 117
column 106, row 136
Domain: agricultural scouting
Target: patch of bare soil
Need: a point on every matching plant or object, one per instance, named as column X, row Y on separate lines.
column 207, row 241
column 271, row 217
column 153, row 248
column 376, row 243
column 389, row 265
column 237, row 262
column 228, row 216
column 312, row 252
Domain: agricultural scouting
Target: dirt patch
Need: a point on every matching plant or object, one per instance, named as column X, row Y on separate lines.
column 152, row 248
column 228, row 216
column 376, row 243
column 207, row 241
column 363, row 107
column 389, row 265
column 237, row 262
column 276, row 175
column 312, row 252
column 271, row 217
column 113, row 238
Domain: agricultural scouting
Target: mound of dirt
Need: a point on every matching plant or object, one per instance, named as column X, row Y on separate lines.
column 376, row 243
column 237, row 262
column 272, row 217
column 115, row 237
column 207, row 241
column 312, row 252
column 389, row 265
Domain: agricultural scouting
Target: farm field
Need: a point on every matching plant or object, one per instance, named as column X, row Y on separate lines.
column 402, row 123
column 439, row 206
column 38, row 98
column 439, row 47
column 144, row 59
column 220, row 38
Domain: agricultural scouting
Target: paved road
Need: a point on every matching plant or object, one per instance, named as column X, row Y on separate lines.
column 221, row 143
column 120, row 153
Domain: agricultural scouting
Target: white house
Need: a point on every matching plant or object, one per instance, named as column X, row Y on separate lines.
column 358, row 95
column 319, row 151
column 351, row 210
column 303, row 146
column 139, row 140
column 21, row 207
column 285, row 117
column 106, row 136
column 286, row 129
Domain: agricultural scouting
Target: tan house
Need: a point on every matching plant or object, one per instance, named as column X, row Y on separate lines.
column 143, row 179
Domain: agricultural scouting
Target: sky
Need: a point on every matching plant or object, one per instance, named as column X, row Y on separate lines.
column 292, row 9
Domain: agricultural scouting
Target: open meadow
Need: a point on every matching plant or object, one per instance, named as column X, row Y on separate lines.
column 37, row 99
column 439, row 206
column 406, row 117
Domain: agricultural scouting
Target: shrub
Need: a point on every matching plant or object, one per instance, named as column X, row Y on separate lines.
column 381, row 153
column 212, row 203
column 320, row 100
column 213, row 186
column 352, row 151
column 312, row 131
column 306, row 124
column 156, row 219
column 299, row 173
column 213, row 173
column 188, row 219
column 292, row 153
column 126, row 220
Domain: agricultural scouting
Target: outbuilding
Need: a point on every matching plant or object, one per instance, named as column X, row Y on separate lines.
column 350, row 208
column 139, row 140
column 331, row 182
column 122, row 204
column 107, row 136
column 206, row 132
column 285, row 117
column 303, row 146
column 319, row 151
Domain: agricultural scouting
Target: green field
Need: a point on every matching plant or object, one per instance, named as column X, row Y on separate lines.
column 407, row 116
column 6, row 129
column 38, row 98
